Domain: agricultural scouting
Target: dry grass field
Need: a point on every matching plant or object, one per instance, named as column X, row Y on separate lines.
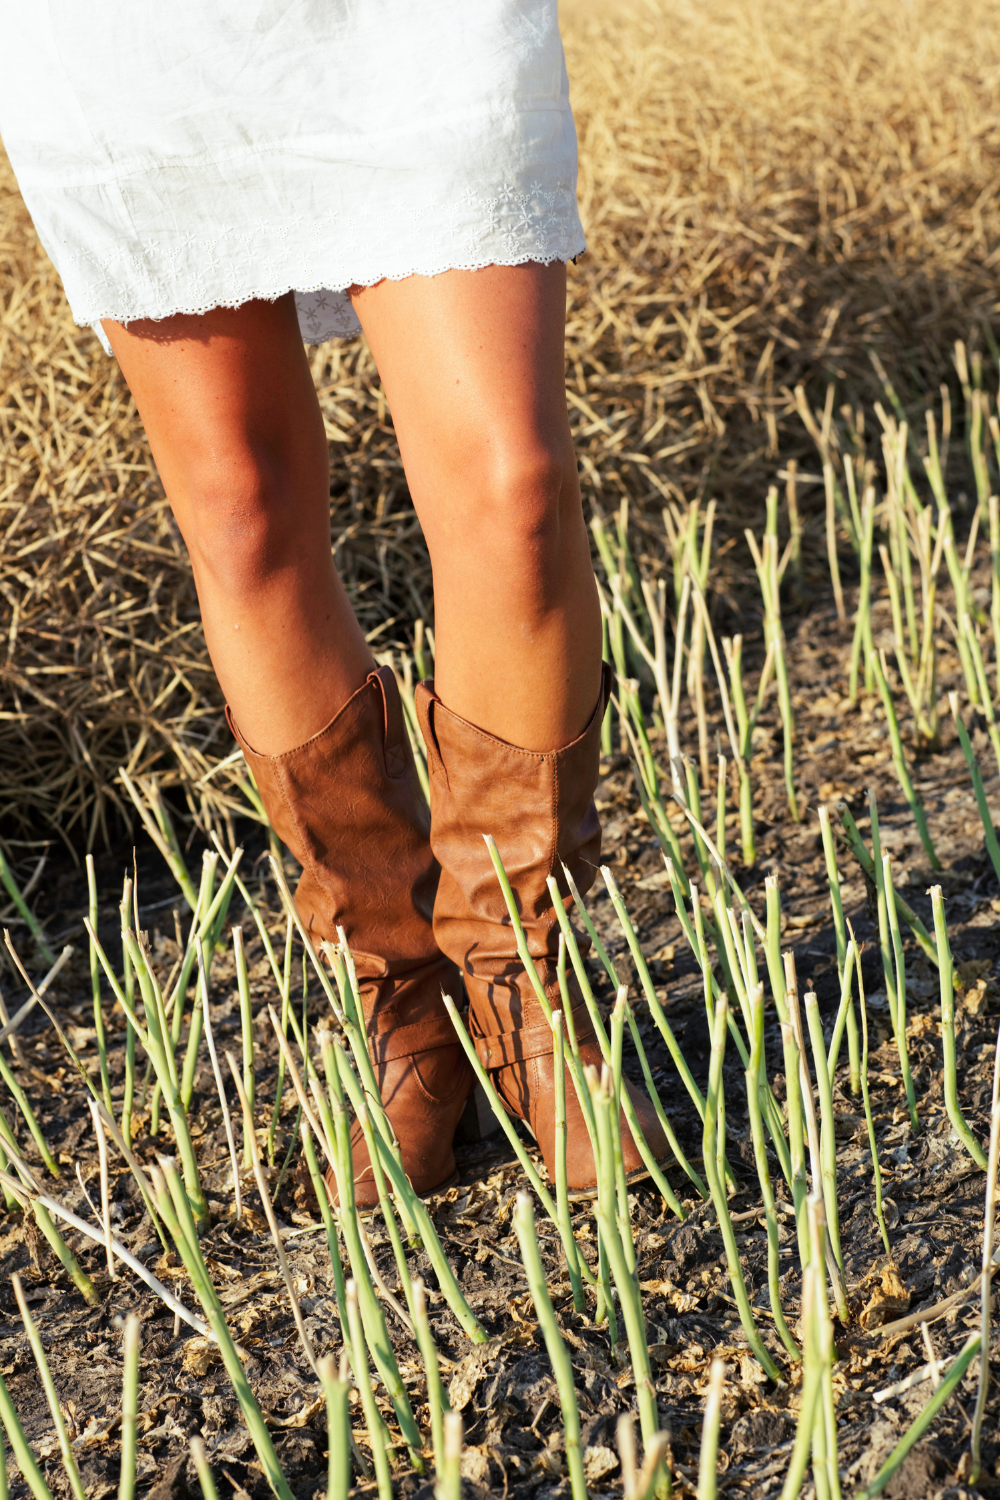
column 772, row 194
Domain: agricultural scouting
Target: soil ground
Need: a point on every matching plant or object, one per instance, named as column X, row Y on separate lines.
column 505, row 1390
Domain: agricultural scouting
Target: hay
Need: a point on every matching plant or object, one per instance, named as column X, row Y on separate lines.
column 769, row 196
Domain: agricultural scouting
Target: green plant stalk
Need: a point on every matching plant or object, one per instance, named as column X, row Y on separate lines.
column 793, row 1092
column 800, row 1181
column 899, row 647
column 734, row 661
column 708, row 1456
column 51, row 1394
column 862, row 624
column 989, row 834
column 25, row 1458
column 376, row 1331
column 695, row 935
column 828, row 1141
column 825, row 1474
column 170, row 1013
column 377, row 1433
column 656, row 1010
column 899, row 764
column 130, row 1406
column 95, row 986
column 175, row 1211
column 582, row 978
column 962, row 607
column 562, row 1368
column 531, row 971
column 326, row 1214
column 626, row 1281
column 718, row 1191
column 812, row 1391
column 946, row 975
column 885, row 940
column 693, row 800
column 787, row 720
column 857, row 847
column 919, row 1426
column 338, row 1429
column 286, row 1006
column 450, row 1289
column 335, row 1057
column 832, row 879
column 845, row 1013
column 976, row 653
column 754, row 1076
column 899, row 960
column 158, row 1049
column 128, row 974
column 24, row 911
column 994, row 511
column 43, row 1218
column 870, row 1123
column 621, row 1186
column 20, row 1099
column 449, row 1481
column 246, row 1027
column 562, row 1192
column 437, row 1400
column 203, row 1470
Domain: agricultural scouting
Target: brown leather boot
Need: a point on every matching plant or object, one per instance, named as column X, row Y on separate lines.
column 539, row 808
column 348, row 804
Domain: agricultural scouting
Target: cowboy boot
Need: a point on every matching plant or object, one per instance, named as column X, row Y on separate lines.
column 539, row 808
column 349, row 806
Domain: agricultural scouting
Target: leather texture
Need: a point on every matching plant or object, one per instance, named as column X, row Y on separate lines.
column 349, row 806
column 539, row 808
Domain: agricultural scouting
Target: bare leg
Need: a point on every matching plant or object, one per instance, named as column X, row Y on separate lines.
column 231, row 413
column 473, row 367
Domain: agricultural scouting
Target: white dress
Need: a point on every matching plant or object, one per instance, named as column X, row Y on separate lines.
column 179, row 155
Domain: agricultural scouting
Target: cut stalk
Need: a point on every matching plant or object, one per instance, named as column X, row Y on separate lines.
column 130, row 1406
column 899, row 763
column 437, row 1400
column 562, row 1368
column 919, row 1426
column 95, row 986
column 23, row 1455
column 51, row 1394
column 708, row 1458
column 338, row 1430
column 377, row 1433
column 870, row 1123
column 718, row 1191
column 986, row 817
column 946, row 976
column 754, row 1078
column 899, row 963
column 246, row 1027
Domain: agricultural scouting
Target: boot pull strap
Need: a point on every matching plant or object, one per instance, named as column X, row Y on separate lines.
column 530, row 1041
column 396, row 745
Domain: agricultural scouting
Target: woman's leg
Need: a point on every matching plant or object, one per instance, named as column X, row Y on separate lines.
column 473, row 367
column 230, row 410
column 233, row 421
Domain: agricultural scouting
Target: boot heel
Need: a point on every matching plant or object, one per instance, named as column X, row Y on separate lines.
column 478, row 1121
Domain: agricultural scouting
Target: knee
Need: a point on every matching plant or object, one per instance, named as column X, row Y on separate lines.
column 529, row 502
column 242, row 516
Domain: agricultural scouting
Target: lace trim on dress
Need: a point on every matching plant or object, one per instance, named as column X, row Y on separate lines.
column 319, row 258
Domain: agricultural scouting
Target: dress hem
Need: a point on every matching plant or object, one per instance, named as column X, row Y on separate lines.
column 337, row 286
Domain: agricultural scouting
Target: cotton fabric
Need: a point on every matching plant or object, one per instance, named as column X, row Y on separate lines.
column 181, row 156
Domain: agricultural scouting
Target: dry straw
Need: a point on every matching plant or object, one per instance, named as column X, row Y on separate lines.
column 765, row 202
